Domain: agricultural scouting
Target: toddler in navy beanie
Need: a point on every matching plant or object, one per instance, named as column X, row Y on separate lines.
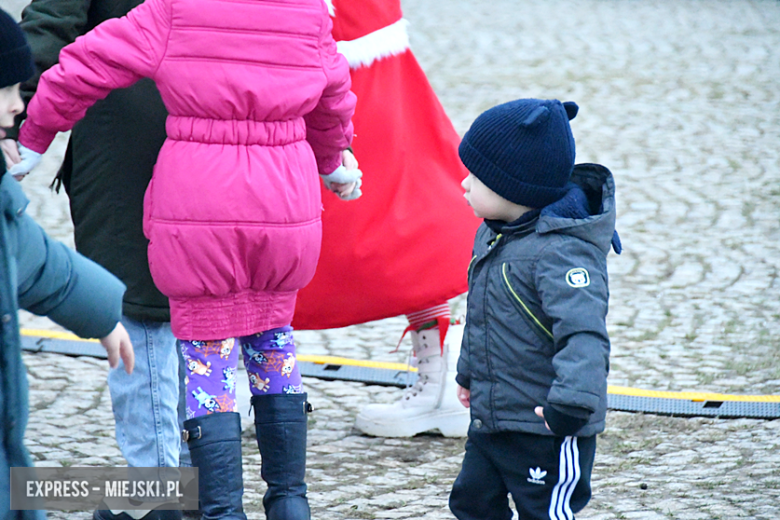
column 535, row 352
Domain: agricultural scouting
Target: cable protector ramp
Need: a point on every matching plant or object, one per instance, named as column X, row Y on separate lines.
column 332, row 368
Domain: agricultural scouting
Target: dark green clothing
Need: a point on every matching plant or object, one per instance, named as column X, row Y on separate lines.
column 110, row 155
column 49, row 279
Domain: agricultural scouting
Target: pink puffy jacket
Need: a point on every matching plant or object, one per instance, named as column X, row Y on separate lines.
column 259, row 103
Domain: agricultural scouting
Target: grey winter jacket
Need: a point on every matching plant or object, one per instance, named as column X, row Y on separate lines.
column 46, row 278
column 535, row 326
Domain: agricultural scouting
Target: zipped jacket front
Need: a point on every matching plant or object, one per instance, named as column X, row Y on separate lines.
column 536, row 324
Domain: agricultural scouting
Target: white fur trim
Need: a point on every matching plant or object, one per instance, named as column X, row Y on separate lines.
column 331, row 9
column 387, row 41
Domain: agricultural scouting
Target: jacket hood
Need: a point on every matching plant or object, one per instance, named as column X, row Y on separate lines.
column 587, row 211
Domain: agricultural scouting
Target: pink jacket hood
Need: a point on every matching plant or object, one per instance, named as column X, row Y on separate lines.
column 259, row 103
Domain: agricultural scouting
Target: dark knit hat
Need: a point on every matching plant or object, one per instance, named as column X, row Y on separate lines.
column 16, row 63
column 523, row 150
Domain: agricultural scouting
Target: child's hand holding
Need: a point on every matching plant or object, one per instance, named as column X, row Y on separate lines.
column 117, row 344
column 29, row 160
column 464, row 396
column 345, row 181
column 349, row 160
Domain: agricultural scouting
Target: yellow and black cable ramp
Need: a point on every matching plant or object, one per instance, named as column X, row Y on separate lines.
column 679, row 404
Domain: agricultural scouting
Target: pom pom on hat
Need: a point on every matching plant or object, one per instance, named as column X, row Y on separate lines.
column 523, row 150
column 16, row 63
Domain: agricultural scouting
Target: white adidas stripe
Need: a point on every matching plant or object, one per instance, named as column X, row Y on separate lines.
column 427, row 314
column 382, row 43
column 568, row 477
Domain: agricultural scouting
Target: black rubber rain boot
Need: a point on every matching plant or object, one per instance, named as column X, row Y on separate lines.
column 215, row 445
column 280, row 423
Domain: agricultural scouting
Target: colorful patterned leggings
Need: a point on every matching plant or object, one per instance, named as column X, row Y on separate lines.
column 269, row 358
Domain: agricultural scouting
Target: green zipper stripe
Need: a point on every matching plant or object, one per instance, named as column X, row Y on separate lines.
column 471, row 262
column 526, row 309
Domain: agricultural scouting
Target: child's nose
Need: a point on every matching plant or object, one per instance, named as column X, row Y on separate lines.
column 465, row 183
column 17, row 105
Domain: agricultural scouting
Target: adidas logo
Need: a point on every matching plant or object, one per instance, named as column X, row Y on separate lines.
column 537, row 476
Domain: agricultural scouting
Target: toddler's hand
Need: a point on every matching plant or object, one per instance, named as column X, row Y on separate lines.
column 540, row 412
column 346, row 191
column 464, row 396
column 344, row 183
column 348, row 160
column 117, row 344
column 30, row 160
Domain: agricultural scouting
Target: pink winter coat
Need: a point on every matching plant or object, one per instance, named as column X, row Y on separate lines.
column 259, row 102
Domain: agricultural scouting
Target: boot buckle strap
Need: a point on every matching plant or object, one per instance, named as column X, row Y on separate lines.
column 187, row 435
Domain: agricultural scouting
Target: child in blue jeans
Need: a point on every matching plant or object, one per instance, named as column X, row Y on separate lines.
column 535, row 355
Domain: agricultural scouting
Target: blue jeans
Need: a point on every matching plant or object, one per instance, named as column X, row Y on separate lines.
column 145, row 403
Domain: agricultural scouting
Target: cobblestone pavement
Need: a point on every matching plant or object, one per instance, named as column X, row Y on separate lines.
column 681, row 101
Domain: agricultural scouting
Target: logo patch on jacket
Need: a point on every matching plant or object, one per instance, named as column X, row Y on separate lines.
column 537, row 476
column 578, row 277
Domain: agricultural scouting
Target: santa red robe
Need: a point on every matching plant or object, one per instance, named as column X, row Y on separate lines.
column 405, row 245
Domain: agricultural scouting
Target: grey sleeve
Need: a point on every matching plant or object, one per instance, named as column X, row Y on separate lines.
column 571, row 278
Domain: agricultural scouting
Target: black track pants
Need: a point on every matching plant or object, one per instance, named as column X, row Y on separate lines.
column 548, row 477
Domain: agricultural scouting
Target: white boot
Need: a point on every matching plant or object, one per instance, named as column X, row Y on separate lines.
column 431, row 403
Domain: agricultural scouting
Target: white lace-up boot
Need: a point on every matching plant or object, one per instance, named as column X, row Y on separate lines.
column 431, row 403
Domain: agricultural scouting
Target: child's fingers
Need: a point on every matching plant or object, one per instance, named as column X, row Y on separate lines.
column 540, row 412
column 128, row 355
column 340, row 188
column 118, row 345
column 348, row 160
column 113, row 356
column 353, row 191
column 347, row 191
column 464, row 396
column 10, row 151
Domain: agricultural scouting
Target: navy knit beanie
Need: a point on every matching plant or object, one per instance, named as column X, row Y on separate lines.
column 16, row 63
column 523, row 150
